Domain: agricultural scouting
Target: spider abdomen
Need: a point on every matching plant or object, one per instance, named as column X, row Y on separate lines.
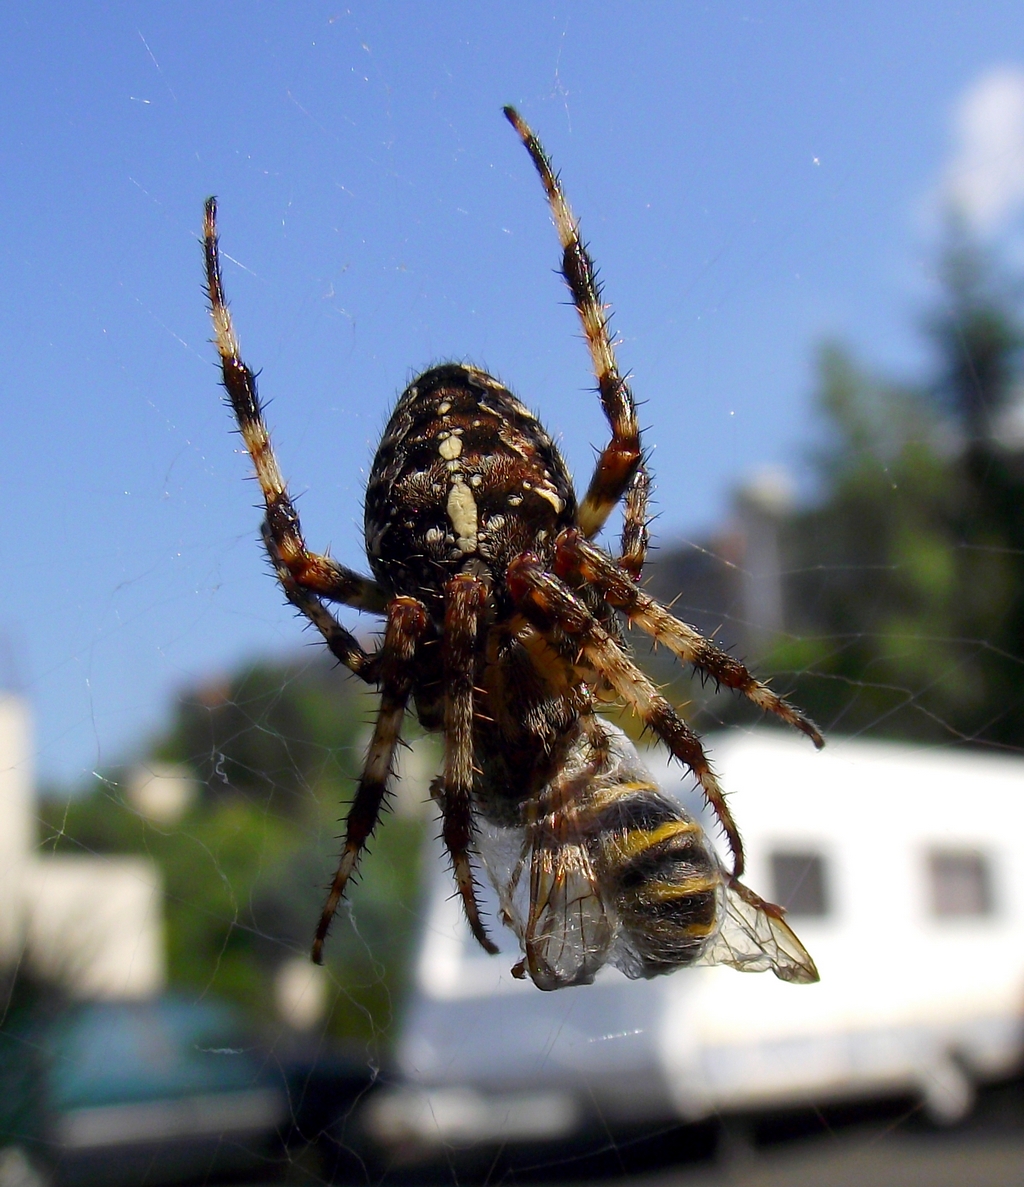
column 465, row 479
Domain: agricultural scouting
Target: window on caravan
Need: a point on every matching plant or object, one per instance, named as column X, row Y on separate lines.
column 799, row 884
column 960, row 883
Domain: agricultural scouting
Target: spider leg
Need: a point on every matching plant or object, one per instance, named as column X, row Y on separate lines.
column 311, row 571
column 406, row 622
column 341, row 643
column 547, row 602
column 622, row 456
column 464, row 599
column 576, row 558
column 635, row 537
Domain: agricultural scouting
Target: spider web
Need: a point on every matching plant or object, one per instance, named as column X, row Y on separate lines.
column 184, row 718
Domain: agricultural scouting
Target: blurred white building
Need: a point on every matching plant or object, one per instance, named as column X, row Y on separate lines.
column 92, row 923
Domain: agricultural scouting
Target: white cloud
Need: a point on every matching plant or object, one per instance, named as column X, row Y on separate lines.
column 984, row 178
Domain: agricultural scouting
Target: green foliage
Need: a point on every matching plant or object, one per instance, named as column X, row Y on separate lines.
column 274, row 734
column 977, row 335
column 275, row 750
column 906, row 581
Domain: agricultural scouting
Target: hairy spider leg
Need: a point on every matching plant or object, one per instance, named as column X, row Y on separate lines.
column 635, row 521
column 465, row 597
column 311, row 571
column 622, row 457
column 340, row 642
column 548, row 603
column 406, row 622
column 576, row 560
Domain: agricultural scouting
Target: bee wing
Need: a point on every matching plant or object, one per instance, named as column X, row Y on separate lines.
column 753, row 937
column 569, row 928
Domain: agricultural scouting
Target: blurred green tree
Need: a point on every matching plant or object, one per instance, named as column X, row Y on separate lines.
column 275, row 750
column 905, row 582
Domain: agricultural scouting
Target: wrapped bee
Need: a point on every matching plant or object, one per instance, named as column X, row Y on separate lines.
column 502, row 626
column 608, row 869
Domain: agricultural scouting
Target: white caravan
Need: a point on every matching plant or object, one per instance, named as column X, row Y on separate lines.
column 903, row 871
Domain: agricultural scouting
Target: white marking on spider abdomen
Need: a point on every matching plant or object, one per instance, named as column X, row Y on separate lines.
column 462, row 513
column 450, row 448
column 548, row 493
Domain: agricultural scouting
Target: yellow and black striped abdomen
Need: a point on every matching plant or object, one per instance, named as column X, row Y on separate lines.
column 661, row 873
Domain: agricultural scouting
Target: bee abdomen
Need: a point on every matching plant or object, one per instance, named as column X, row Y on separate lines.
column 664, row 876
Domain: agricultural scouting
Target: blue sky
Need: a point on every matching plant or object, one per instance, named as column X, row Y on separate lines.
column 752, row 178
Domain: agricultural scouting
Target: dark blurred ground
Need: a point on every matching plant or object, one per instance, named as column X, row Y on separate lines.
column 867, row 1158
column 884, row 1145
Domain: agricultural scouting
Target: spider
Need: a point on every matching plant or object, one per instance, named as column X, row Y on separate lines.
column 502, row 625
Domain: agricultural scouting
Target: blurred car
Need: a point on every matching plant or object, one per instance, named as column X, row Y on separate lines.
column 154, row 1091
column 902, row 869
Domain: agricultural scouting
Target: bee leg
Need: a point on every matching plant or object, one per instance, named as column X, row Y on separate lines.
column 465, row 597
column 755, row 900
column 548, row 603
column 577, row 559
column 406, row 622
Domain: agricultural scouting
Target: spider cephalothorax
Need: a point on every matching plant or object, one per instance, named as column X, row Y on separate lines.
column 502, row 626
